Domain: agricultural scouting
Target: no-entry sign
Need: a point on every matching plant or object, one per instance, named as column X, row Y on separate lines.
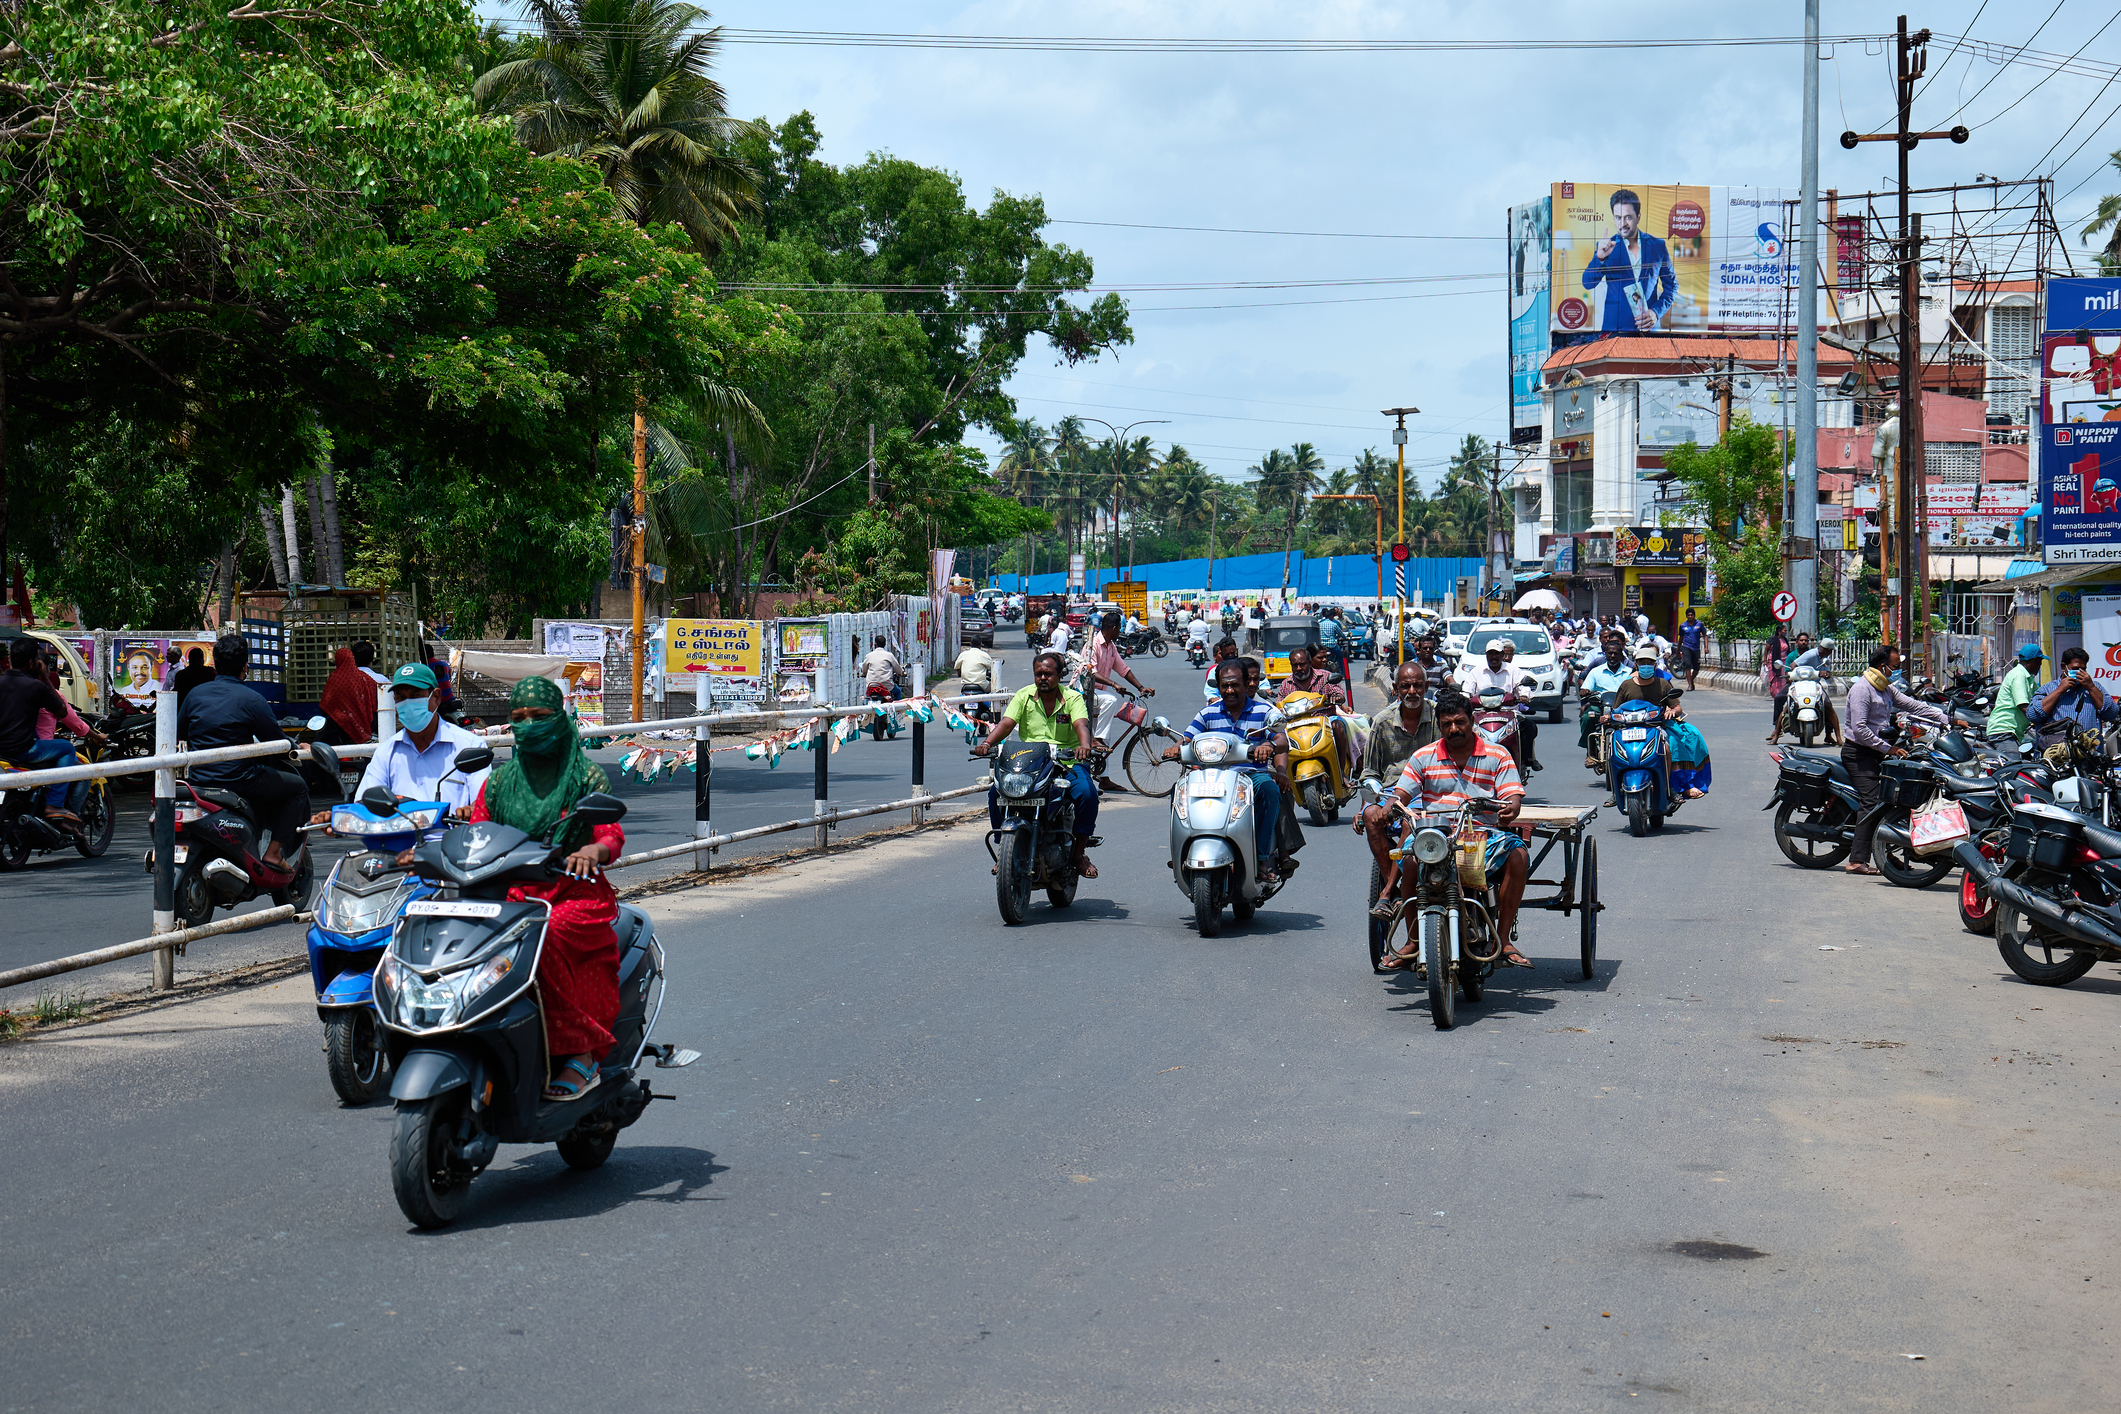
column 1784, row 608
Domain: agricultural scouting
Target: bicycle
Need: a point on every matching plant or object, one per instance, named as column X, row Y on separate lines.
column 1141, row 751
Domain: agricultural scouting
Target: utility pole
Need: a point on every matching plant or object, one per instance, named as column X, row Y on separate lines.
column 640, row 544
column 1213, row 496
column 1498, row 557
column 872, row 464
column 1908, row 549
column 1804, row 557
column 1399, row 535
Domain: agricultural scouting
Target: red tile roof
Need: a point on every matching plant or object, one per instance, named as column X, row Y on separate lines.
column 1687, row 355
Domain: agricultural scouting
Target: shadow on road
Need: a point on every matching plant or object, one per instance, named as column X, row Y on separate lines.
column 539, row 1187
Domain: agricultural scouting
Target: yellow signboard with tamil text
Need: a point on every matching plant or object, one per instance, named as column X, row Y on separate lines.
column 727, row 648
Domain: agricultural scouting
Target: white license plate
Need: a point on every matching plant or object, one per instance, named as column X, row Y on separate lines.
column 1634, row 733
column 180, row 853
column 1208, row 789
column 444, row 908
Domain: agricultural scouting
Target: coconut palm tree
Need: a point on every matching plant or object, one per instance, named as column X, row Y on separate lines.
column 1027, row 455
column 1285, row 479
column 625, row 85
column 1182, row 490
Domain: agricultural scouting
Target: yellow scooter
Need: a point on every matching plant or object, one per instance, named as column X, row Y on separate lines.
column 1324, row 782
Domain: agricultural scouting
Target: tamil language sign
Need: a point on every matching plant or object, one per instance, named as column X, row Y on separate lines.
column 728, row 648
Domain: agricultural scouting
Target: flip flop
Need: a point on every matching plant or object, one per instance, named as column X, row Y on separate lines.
column 1512, row 958
column 1385, row 909
column 573, row 1082
column 1859, row 869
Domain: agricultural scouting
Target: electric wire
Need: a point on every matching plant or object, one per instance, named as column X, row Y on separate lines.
column 2048, row 75
column 1246, row 231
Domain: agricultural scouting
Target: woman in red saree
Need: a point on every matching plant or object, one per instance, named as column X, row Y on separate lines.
column 578, row 972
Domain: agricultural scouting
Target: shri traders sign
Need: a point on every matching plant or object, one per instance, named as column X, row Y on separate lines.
column 728, row 648
column 2080, row 423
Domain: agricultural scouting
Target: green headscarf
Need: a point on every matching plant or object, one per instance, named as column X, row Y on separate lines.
column 537, row 786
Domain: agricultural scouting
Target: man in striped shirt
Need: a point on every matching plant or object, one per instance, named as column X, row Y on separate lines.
column 1240, row 714
column 1459, row 766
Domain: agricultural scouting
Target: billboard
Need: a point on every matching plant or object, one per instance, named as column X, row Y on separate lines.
column 1640, row 257
column 2080, row 423
column 1531, row 240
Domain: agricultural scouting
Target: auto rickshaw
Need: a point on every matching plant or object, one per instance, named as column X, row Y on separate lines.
column 1284, row 632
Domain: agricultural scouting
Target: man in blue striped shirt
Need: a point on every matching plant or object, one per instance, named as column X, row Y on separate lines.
column 1240, row 714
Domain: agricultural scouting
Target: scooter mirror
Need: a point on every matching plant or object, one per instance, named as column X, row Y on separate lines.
column 316, row 723
column 474, row 758
column 379, row 801
column 597, row 808
column 325, row 759
column 1162, row 724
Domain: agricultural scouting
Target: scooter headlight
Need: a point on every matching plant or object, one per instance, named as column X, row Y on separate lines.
column 1016, row 784
column 1430, row 846
column 348, row 913
column 1211, row 751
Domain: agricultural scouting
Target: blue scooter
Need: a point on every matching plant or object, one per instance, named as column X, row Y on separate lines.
column 1641, row 766
column 364, row 897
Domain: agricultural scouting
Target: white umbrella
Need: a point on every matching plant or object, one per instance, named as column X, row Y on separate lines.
column 1544, row 599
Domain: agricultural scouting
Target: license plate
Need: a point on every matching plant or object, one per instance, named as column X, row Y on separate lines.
column 1208, row 789
column 180, row 854
column 1634, row 733
column 444, row 908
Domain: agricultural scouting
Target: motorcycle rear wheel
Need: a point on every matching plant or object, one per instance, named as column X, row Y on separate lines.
column 2031, row 954
column 14, row 850
column 1977, row 911
column 587, row 1151
column 1807, row 854
column 430, row 1191
column 353, row 1056
column 195, row 901
column 1207, row 909
column 1012, row 886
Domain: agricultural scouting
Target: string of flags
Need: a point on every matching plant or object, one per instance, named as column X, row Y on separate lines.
column 647, row 760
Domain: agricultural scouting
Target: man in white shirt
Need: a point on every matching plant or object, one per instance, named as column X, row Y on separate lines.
column 879, row 668
column 423, row 750
column 1254, row 638
column 975, row 670
column 1057, row 641
column 364, row 657
column 1499, row 674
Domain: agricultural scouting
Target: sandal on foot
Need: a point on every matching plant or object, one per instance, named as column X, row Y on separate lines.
column 1084, row 867
column 1398, row 961
column 576, row 1079
column 1513, row 958
column 1859, row 868
column 1385, row 909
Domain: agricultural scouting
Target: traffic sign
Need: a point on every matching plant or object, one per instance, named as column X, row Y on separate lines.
column 1400, row 553
column 1784, row 608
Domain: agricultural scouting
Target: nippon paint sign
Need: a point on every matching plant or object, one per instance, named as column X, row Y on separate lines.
column 2080, row 423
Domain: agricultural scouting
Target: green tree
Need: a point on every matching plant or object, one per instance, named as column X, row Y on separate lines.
column 2106, row 217
column 1736, row 481
column 626, row 86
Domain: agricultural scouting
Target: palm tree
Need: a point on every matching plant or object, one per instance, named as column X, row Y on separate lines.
column 2106, row 217
column 624, row 85
column 1027, row 455
column 1182, row 490
column 1133, row 465
column 1336, row 518
column 1285, row 478
column 1071, row 447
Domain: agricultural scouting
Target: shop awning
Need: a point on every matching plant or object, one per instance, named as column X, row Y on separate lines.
column 2052, row 578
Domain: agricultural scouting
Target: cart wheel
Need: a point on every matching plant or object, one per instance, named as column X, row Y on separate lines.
column 1378, row 930
column 1587, row 925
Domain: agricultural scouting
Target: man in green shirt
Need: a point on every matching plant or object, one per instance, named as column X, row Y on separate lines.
column 2007, row 716
column 1049, row 712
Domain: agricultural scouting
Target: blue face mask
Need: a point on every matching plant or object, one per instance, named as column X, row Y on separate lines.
column 414, row 714
column 1645, row 671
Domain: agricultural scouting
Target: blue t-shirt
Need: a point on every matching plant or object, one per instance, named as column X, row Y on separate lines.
column 1214, row 718
column 1690, row 635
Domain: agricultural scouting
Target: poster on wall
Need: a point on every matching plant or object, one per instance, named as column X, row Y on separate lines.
column 727, row 648
column 2080, row 434
column 137, row 665
column 2102, row 639
column 584, row 686
column 1531, row 240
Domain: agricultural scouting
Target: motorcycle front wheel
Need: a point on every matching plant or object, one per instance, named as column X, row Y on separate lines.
column 1158, row 648
column 354, row 1058
column 1207, row 909
column 429, row 1188
column 1062, row 894
column 1638, row 816
column 1012, row 884
column 1908, row 870
column 1977, row 911
column 2033, row 955
column 99, row 821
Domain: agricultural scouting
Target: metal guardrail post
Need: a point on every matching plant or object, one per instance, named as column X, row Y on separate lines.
column 386, row 715
column 920, row 746
column 164, row 975
column 820, row 748
column 703, row 769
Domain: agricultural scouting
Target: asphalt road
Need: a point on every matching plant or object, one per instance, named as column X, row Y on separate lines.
column 1100, row 1163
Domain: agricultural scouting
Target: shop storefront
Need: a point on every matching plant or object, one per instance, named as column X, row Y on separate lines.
column 1662, row 572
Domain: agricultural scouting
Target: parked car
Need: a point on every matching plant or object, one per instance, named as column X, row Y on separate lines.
column 1358, row 634
column 1536, row 658
column 975, row 628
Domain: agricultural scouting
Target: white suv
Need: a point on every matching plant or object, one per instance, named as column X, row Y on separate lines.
column 1536, row 658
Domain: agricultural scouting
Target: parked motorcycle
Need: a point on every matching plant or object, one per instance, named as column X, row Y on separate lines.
column 2058, row 916
column 25, row 832
column 363, row 897
column 463, row 1029
column 1818, row 811
column 1035, row 846
column 1214, row 831
column 1324, row 782
column 217, row 858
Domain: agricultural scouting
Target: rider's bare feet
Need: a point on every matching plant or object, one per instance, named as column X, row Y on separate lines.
column 1083, row 866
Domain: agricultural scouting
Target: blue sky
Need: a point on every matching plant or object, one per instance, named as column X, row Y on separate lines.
column 1379, row 144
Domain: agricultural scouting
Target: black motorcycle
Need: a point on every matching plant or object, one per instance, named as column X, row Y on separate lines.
column 1817, row 812
column 2056, row 890
column 218, row 859
column 461, row 1018
column 1035, row 845
column 25, row 832
column 1142, row 640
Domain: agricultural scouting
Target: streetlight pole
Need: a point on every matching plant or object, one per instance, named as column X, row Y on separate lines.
column 1399, row 536
column 1119, row 438
column 1379, row 511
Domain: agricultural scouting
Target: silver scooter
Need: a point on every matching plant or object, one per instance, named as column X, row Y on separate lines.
column 1214, row 831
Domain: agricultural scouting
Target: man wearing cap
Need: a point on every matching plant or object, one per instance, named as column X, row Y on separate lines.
column 2020, row 684
column 423, row 749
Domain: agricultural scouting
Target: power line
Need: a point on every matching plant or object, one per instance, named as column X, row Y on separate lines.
column 1184, row 393
column 2005, row 66
column 2050, row 74
column 1160, row 287
column 1131, row 309
column 1246, row 231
